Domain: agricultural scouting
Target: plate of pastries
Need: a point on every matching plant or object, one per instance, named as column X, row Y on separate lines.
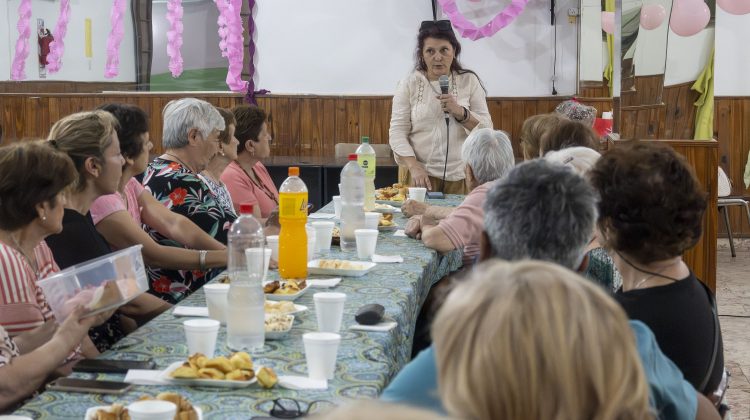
column 282, row 307
column 117, row 411
column 386, row 222
column 394, row 195
column 289, row 289
column 340, row 267
column 234, row 371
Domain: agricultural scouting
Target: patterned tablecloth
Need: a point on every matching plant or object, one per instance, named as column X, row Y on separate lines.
column 366, row 360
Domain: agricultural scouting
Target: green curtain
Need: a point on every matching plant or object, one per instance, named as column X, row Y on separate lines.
column 704, row 116
column 609, row 6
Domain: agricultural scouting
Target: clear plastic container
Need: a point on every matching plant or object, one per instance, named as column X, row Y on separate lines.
column 368, row 161
column 293, row 236
column 245, row 300
column 352, row 203
column 100, row 284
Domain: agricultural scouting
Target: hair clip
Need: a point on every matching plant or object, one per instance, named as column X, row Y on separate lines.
column 568, row 160
column 53, row 142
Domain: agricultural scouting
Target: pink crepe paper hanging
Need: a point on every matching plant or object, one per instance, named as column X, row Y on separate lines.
column 471, row 31
column 116, row 17
column 18, row 71
column 57, row 47
column 174, row 37
column 232, row 42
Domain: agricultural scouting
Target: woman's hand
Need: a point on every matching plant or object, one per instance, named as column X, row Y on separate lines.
column 449, row 104
column 74, row 328
column 413, row 208
column 419, row 176
column 413, row 228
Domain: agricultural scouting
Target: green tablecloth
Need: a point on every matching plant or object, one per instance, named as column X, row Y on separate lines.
column 366, row 360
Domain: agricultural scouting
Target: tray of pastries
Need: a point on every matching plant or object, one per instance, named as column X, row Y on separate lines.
column 340, row 267
column 235, row 371
column 289, row 289
column 394, row 195
column 117, row 411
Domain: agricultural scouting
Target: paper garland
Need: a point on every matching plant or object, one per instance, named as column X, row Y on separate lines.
column 57, row 47
column 18, row 70
column 174, row 37
column 468, row 30
column 116, row 17
column 231, row 42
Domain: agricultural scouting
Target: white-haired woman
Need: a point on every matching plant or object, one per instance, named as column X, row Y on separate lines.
column 489, row 156
column 191, row 140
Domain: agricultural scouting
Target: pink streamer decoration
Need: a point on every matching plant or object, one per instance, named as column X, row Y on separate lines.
column 57, row 47
column 116, row 17
column 18, row 68
column 174, row 37
column 471, row 31
column 231, row 42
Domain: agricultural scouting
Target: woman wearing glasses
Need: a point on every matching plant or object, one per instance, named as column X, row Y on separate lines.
column 429, row 154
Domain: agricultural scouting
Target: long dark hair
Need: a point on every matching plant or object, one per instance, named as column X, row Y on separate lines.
column 435, row 31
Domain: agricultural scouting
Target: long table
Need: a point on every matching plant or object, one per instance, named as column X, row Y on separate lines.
column 366, row 360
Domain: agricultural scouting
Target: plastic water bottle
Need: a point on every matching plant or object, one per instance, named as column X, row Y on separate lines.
column 352, row 202
column 368, row 161
column 293, row 236
column 245, row 313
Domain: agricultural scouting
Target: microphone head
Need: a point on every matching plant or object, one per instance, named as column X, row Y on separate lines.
column 443, row 80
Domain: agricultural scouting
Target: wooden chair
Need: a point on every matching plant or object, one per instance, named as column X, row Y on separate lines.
column 345, row 149
column 725, row 200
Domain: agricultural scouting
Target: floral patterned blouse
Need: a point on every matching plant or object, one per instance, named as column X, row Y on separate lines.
column 183, row 192
column 8, row 349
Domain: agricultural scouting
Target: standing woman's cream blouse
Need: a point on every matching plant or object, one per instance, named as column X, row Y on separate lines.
column 418, row 123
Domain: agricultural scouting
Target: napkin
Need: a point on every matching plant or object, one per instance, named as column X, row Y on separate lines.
column 383, row 326
column 302, row 382
column 323, row 283
column 190, row 311
column 399, row 232
column 145, row 377
column 387, row 258
column 321, row 216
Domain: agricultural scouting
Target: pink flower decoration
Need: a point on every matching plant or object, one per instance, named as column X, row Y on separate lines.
column 116, row 16
column 57, row 47
column 18, row 71
column 174, row 37
column 471, row 31
column 232, row 41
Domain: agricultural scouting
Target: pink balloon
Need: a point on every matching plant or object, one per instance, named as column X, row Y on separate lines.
column 608, row 22
column 689, row 17
column 735, row 7
column 652, row 16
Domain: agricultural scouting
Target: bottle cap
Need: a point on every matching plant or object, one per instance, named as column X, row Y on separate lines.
column 365, row 139
column 293, row 171
column 246, row 208
column 353, row 156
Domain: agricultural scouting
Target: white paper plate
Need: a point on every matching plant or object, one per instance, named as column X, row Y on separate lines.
column 313, row 268
column 91, row 412
column 387, row 228
column 389, row 209
column 219, row 383
column 274, row 296
column 390, row 203
column 297, row 309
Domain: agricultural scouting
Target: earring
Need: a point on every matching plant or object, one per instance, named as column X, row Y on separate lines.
column 252, row 152
column 221, row 152
column 44, row 218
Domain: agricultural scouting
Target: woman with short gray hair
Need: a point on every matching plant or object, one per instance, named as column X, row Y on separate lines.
column 489, row 156
column 191, row 140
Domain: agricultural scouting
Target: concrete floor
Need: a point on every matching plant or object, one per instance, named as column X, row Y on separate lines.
column 733, row 299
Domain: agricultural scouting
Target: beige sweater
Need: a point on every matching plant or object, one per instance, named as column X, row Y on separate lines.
column 418, row 123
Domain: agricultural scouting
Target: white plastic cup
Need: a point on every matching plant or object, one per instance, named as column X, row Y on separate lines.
column 216, row 300
column 329, row 309
column 417, row 193
column 337, row 206
column 323, row 235
column 321, row 349
column 201, row 335
column 273, row 244
column 152, row 410
column 252, row 256
column 311, row 242
column 367, row 239
column 372, row 220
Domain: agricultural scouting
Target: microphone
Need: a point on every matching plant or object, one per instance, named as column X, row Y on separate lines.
column 443, row 80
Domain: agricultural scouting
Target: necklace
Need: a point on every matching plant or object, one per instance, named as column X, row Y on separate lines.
column 651, row 273
column 31, row 261
column 179, row 161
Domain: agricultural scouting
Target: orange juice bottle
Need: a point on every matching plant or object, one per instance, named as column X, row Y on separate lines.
column 293, row 236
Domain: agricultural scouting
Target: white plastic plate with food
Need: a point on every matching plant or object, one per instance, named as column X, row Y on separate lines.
column 385, row 208
column 390, row 203
column 340, row 267
column 278, row 326
column 219, row 383
column 91, row 412
column 283, row 307
column 284, row 289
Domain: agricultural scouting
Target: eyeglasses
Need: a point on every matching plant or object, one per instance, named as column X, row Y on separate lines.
column 441, row 25
column 288, row 408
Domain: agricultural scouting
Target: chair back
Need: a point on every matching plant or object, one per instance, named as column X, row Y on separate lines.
column 725, row 185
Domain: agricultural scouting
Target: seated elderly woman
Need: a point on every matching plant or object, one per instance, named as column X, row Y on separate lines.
column 568, row 134
column 533, row 129
column 33, row 177
column 516, row 214
column 119, row 216
column 191, row 139
column 246, row 178
column 533, row 340
column 228, row 145
column 651, row 211
column 489, row 156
